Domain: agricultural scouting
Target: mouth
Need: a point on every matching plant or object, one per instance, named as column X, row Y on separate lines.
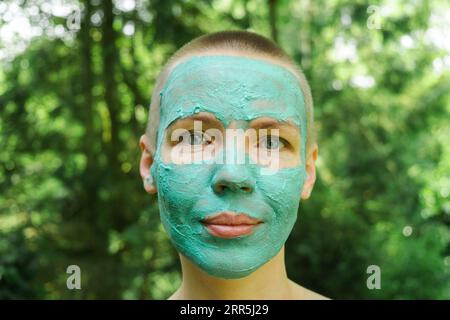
column 230, row 224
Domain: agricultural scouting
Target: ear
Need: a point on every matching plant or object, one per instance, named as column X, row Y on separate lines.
column 311, row 171
column 144, row 166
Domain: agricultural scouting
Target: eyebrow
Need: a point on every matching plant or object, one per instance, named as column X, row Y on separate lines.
column 202, row 116
column 271, row 123
column 258, row 123
column 207, row 117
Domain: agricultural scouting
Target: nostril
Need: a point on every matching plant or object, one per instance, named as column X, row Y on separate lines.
column 234, row 182
column 219, row 188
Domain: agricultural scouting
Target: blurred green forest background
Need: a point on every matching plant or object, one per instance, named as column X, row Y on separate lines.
column 75, row 84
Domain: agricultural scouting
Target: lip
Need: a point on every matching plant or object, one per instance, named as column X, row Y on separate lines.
column 230, row 224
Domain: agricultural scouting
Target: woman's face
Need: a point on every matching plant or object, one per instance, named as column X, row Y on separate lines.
column 230, row 161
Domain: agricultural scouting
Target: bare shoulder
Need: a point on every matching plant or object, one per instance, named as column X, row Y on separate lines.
column 177, row 295
column 301, row 293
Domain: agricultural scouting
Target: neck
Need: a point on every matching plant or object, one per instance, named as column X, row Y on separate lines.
column 270, row 281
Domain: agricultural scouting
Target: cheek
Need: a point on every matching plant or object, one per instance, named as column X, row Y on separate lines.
column 282, row 192
column 180, row 187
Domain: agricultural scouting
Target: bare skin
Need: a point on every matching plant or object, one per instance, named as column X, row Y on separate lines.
column 270, row 282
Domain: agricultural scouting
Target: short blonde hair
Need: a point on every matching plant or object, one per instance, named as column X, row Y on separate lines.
column 241, row 43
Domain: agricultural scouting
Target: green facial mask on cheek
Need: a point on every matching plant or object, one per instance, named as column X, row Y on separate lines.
column 232, row 88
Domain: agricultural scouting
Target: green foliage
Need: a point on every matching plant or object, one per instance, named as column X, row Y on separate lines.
column 73, row 106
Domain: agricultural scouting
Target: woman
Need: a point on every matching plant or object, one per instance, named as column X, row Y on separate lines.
column 228, row 207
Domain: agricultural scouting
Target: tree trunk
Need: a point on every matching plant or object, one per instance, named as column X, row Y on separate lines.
column 273, row 19
column 87, row 84
column 110, row 60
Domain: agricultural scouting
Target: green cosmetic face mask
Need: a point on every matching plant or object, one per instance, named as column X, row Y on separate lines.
column 231, row 88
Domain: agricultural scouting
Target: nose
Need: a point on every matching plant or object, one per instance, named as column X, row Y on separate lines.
column 233, row 178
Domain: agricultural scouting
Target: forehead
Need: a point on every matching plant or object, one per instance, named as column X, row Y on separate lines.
column 232, row 88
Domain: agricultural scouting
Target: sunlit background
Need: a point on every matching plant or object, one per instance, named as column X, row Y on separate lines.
column 75, row 83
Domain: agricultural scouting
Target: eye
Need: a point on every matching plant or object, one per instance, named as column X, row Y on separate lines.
column 271, row 142
column 195, row 138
